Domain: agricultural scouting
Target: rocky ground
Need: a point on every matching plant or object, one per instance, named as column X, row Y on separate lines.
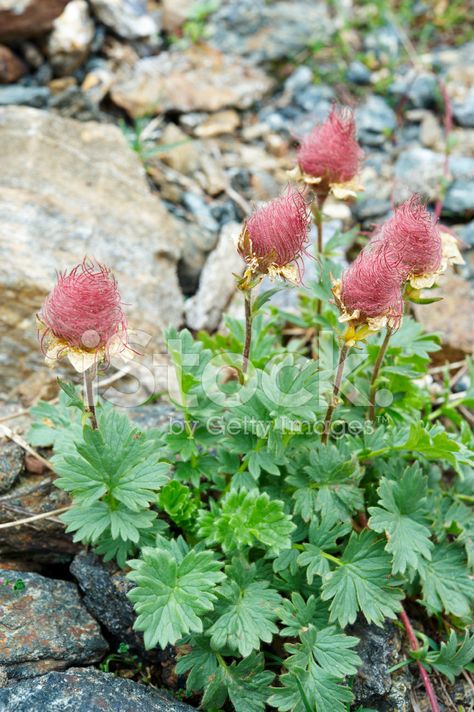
column 141, row 134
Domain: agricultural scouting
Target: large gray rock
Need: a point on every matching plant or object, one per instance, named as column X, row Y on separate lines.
column 80, row 690
column 44, row 626
column 193, row 80
column 67, row 190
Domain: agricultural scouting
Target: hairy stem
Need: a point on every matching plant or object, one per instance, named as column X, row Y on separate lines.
column 317, row 211
column 89, row 376
column 375, row 374
column 423, row 673
column 337, row 387
column 248, row 330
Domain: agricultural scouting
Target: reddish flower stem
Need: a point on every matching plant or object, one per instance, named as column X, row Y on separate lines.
column 423, row 673
column 337, row 387
column 375, row 374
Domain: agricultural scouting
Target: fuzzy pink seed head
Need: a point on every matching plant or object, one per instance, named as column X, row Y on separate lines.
column 331, row 151
column 278, row 232
column 412, row 240
column 370, row 286
column 84, row 310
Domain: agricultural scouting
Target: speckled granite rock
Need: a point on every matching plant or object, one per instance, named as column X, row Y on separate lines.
column 11, row 464
column 44, row 626
column 80, row 690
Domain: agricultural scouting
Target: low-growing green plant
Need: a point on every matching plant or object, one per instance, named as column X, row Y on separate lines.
column 305, row 479
column 255, row 545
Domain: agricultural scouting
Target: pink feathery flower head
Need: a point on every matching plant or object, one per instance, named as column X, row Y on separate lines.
column 331, row 151
column 370, row 287
column 83, row 312
column 411, row 239
column 275, row 235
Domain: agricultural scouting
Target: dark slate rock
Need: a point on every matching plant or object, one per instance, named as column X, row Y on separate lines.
column 358, row 73
column 44, row 626
column 24, row 96
column 420, row 88
column 376, row 120
column 374, row 686
column 104, row 590
column 11, row 464
column 463, row 112
column 79, row 690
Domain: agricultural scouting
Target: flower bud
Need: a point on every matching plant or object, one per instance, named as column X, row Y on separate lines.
column 330, row 155
column 412, row 243
column 82, row 317
column 274, row 237
column 369, row 291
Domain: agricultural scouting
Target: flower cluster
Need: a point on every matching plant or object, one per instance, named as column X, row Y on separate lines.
column 329, row 157
column 82, row 317
column 405, row 254
column 273, row 239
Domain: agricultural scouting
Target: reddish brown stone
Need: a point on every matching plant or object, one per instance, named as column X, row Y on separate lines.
column 11, row 68
column 44, row 626
column 35, row 17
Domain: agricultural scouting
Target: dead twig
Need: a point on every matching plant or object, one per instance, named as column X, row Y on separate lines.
column 34, row 518
column 7, row 432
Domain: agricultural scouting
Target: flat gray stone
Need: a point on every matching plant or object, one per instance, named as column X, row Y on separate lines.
column 79, row 690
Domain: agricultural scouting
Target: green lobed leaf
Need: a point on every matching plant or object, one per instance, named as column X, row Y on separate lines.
column 323, row 691
column 246, row 683
column 246, row 616
column 362, row 582
column 453, row 656
column 401, row 515
column 446, row 583
column 172, row 595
